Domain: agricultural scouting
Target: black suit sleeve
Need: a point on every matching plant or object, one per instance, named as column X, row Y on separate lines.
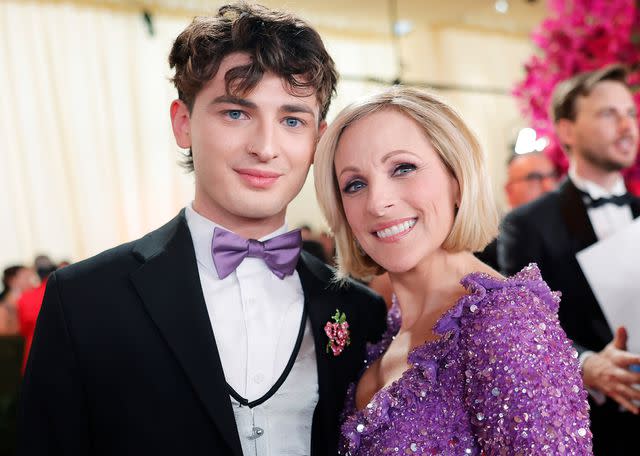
column 52, row 412
column 518, row 244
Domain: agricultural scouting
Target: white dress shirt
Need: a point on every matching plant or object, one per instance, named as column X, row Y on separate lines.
column 256, row 317
column 608, row 218
column 605, row 220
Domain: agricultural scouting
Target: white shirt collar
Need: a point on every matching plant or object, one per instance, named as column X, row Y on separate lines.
column 594, row 190
column 201, row 229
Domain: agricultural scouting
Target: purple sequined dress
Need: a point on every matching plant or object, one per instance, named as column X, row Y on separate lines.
column 503, row 379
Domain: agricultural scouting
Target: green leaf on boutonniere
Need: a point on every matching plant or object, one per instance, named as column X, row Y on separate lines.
column 339, row 317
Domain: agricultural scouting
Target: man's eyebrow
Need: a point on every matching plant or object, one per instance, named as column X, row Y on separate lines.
column 297, row 107
column 234, row 100
column 288, row 108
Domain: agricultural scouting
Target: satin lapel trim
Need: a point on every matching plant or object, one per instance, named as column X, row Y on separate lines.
column 575, row 215
column 169, row 286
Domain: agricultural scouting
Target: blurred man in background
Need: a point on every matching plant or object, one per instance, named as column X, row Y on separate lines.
column 529, row 176
column 16, row 280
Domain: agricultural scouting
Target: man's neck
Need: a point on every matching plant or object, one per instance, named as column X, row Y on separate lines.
column 248, row 228
column 603, row 178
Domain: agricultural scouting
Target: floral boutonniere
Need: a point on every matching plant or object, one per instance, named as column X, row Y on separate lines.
column 338, row 333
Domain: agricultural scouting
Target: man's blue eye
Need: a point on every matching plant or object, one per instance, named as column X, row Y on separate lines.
column 292, row 122
column 235, row 115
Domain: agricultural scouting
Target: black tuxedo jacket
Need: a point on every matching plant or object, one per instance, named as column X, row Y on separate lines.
column 550, row 231
column 124, row 360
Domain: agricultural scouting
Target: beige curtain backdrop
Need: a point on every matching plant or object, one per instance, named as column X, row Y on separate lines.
column 87, row 157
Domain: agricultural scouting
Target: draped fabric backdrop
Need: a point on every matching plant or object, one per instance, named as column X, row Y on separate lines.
column 87, row 157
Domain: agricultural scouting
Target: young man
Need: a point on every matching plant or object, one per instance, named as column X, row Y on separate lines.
column 596, row 120
column 207, row 336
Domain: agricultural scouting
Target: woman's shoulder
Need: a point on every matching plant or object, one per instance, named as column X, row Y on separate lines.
column 494, row 303
column 488, row 293
column 519, row 364
column 513, row 320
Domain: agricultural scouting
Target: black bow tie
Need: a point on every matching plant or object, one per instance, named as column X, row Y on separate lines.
column 618, row 200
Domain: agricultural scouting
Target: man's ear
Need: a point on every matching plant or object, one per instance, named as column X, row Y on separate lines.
column 181, row 123
column 566, row 132
column 321, row 129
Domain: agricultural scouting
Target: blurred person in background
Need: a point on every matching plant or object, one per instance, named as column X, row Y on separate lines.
column 30, row 302
column 311, row 244
column 16, row 280
column 328, row 244
column 529, row 176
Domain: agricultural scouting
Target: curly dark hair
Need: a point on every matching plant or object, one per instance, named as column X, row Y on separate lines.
column 276, row 41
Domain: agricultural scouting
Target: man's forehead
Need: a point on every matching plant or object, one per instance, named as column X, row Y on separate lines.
column 295, row 91
column 601, row 93
column 235, row 60
column 297, row 96
column 526, row 164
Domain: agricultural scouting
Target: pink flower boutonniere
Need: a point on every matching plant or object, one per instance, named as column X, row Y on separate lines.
column 338, row 333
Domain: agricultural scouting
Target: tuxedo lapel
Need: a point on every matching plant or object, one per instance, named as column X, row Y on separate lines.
column 314, row 282
column 169, row 286
column 574, row 214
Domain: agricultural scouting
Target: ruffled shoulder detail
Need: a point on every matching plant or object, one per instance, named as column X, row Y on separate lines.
column 480, row 286
column 529, row 278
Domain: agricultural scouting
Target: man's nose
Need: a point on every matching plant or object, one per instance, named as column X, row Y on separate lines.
column 263, row 145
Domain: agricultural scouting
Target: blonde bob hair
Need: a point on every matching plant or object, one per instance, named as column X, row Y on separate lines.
column 476, row 220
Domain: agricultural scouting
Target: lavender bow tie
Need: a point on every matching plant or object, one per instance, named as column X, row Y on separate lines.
column 279, row 253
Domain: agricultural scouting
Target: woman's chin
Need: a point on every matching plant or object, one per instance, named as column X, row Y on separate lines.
column 396, row 267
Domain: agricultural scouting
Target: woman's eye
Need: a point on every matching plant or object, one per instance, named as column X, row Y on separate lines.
column 353, row 186
column 403, row 168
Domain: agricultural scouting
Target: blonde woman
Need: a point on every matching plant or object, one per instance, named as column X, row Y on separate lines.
column 472, row 362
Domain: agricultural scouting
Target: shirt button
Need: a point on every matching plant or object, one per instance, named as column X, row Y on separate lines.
column 256, row 432
column 258, row 378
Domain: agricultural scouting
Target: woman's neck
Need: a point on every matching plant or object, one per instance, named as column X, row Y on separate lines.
column 431, row 288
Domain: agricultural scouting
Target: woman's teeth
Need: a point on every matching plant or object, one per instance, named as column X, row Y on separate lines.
column 395, row 229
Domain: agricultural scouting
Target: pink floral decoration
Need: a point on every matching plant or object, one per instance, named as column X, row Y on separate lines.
column 338, row 333
column 579, row 35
